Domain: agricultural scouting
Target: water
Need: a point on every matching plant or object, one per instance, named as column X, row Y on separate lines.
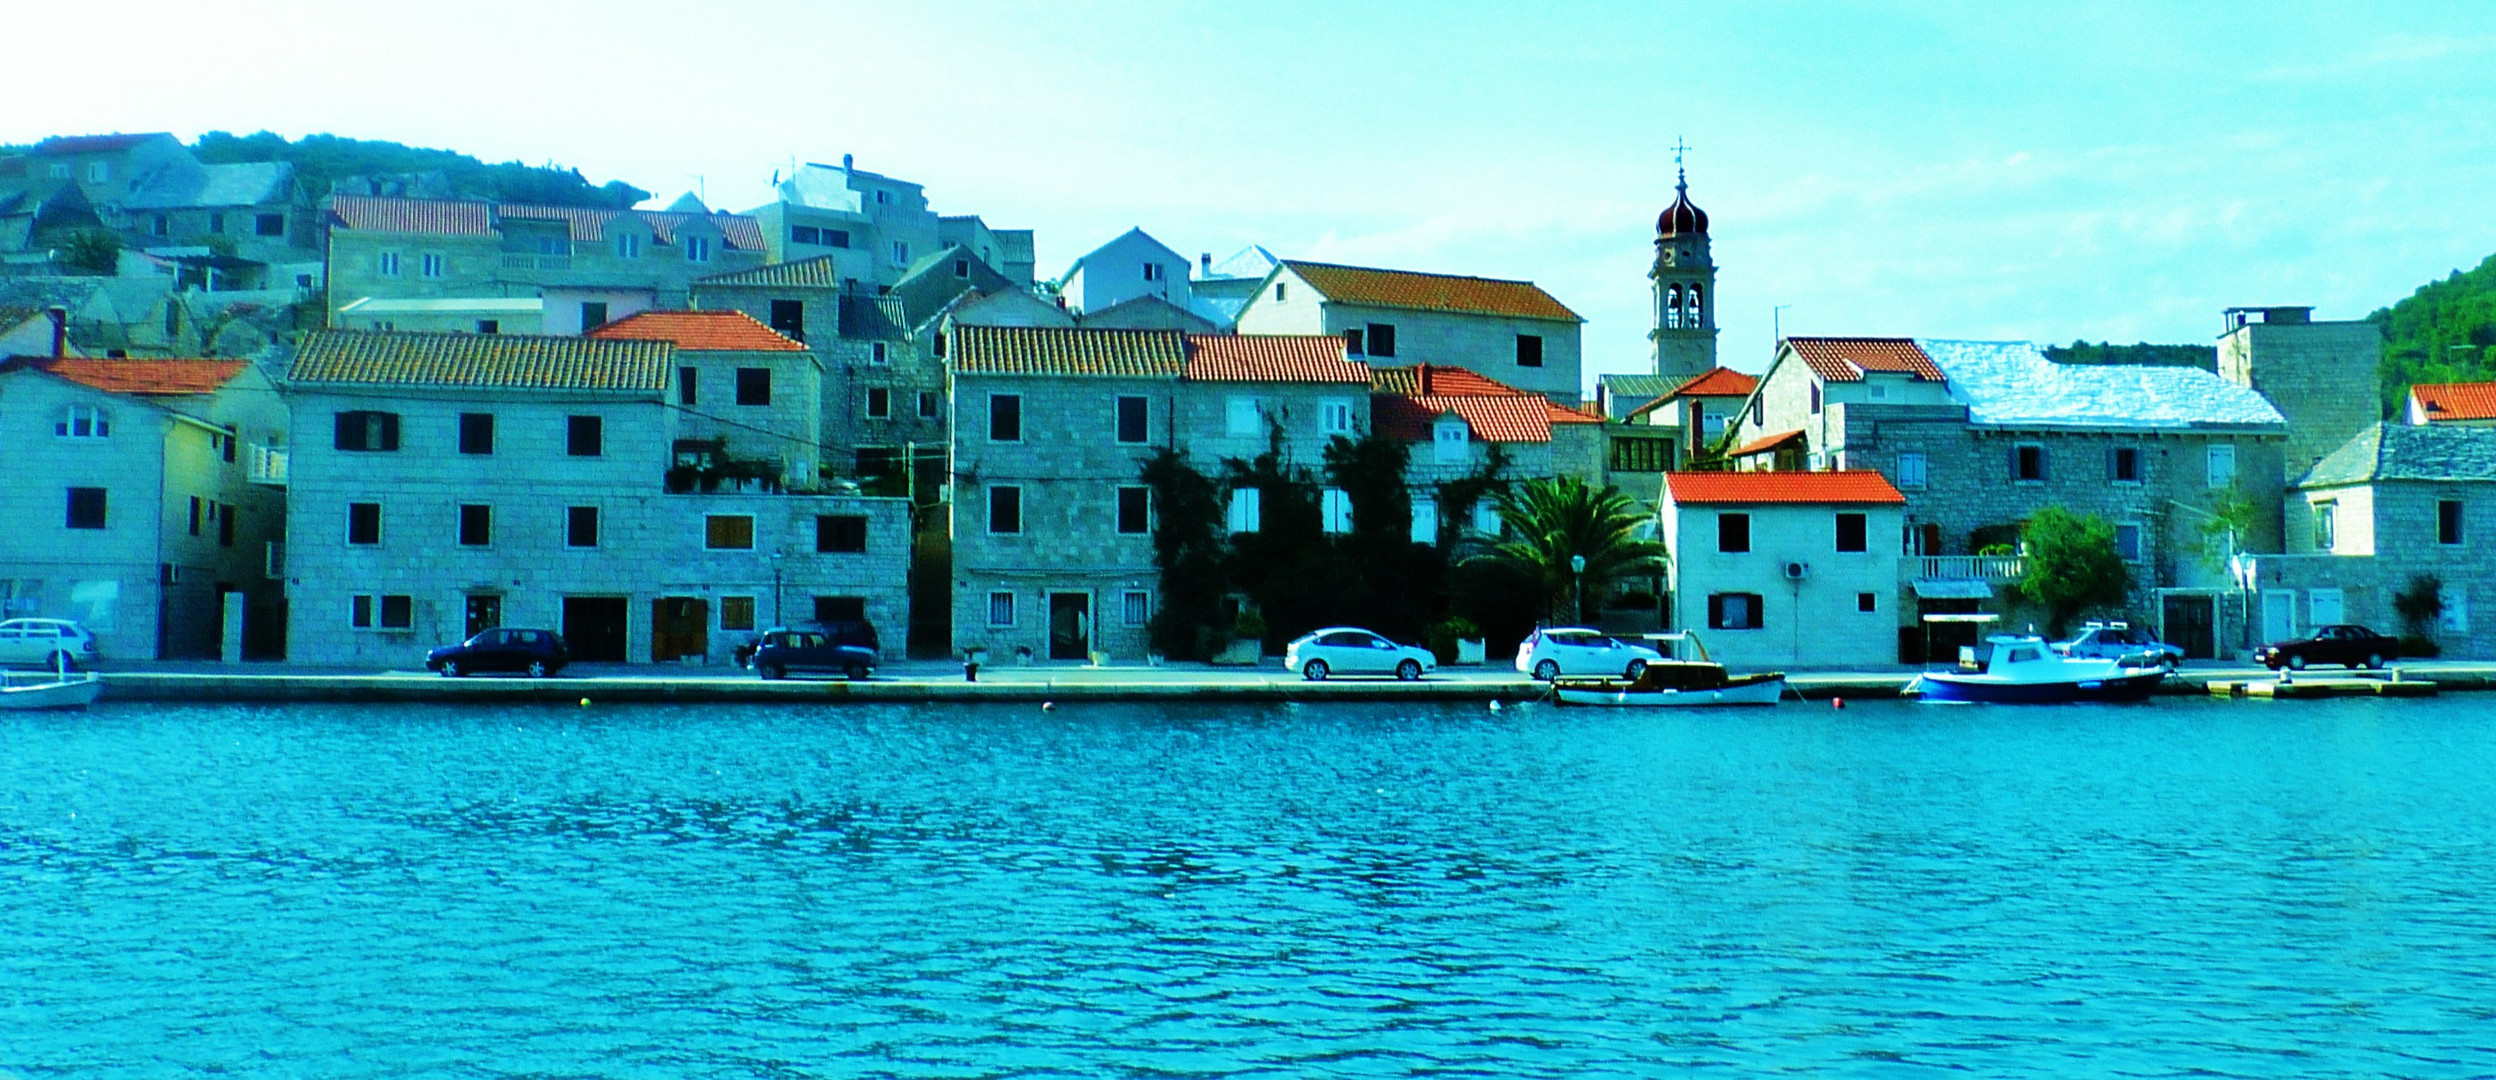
column 2248, row 889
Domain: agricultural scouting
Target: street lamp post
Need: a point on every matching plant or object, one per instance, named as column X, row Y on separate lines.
column 776, row 555
column 1577, row 588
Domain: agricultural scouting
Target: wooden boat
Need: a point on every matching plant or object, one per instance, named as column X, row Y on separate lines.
column 1674, row 684
column 48, row 689
column 2023, row 669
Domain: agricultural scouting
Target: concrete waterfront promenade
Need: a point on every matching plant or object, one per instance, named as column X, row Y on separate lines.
column 936, row 681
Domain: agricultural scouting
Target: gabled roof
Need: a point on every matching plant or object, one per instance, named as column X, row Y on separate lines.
column 1766, row 443
column 1718, row 382
column 1429, row 379
column 143, row 377
column 1430, row 292
column 1309, row 358
column 702, row 331
column 1146, row 312
column 2455, row 401
column 1852, row 487
column 1033, row 350
column 818, row 272
column 2012, row 383
column 1406, row 402
column 2386, row 451
column 520, row 361
column 1847, row 359
column 590, row 226
column 1137, row 231
column 441, row 217
column 243, row 183
column 95, row 144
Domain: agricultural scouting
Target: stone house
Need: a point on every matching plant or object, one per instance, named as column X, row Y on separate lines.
column 741, row 391
column 453, row 482
column 2392, row 506
column 1129, row 267
column 1509, row 331
column 583, row 260
column 1473, row 426
column 1666, row 433
column 259, row 208
column 2322, row 376
column 1785, row 568
column 2451, row 403
column 874, row 228
column 145, row 498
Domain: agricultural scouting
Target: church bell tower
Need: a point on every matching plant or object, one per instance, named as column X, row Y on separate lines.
column 1685, row 286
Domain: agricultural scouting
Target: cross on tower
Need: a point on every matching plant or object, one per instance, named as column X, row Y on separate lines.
column 1678, row 147
column 1681, row 176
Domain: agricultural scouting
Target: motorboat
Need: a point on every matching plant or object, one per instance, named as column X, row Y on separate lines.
column 2023, row 669
column 48, row 689
column 1674, row 684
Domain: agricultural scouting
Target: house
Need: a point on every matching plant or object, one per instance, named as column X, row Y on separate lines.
column 1222, row 288
column 255, row 210
column 876, row 228
column 449, row 483
column 1783, row 569
column 1480, row 428
column 1130, row 266
column 1509, row 331
column 584, row 262
column 2398, row 508
column 2451, row 403
column 741, row 391
column 448, row 315
column 143, row 501
column 1684, row 423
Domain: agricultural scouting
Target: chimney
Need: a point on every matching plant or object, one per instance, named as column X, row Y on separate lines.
column 60, row 329
column 1205, row 262
column 845, row 160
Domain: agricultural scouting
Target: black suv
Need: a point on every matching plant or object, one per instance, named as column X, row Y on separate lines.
column 537, row 653
column 847, row 647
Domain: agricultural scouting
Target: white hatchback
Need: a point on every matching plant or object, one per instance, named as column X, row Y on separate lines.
column 46, row 643
column 1549, row 654
column 1346, row 650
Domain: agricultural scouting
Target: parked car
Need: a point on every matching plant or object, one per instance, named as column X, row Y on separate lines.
column 2121, row 642
column 1350, row 650
column 858, row 632
column 536, row 653
column 782, row 650
column 46, row 643
column 1551, row 653
column 2346, row 644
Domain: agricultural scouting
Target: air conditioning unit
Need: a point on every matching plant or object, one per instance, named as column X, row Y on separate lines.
column 1797, row 571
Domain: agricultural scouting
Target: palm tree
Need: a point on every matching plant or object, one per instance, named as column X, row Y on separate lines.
column 1556, row 522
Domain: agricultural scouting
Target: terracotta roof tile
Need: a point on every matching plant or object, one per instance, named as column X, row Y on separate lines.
column 1563, row 414
column 394, row 358
column 1050, row 350
column 817, row 272
column 1856, row 486
column 590, row 225
column 1719, row 382
column 173, row 376
column 1430, row 292
column 443, row 217
column 1766, row 443
column 1311, row 358
column 1436, row 379
column 2455, row 401
column 1407, row 401
column 1846, row 359
column 705, row 331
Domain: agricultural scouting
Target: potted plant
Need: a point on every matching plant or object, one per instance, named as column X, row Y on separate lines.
column 1247, row 642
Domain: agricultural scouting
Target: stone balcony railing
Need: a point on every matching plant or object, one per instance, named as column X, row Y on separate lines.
column 1990, row 568
column 268, row 465
column 521, row 261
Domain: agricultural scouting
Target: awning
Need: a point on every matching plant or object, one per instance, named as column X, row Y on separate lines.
column 1952, row 589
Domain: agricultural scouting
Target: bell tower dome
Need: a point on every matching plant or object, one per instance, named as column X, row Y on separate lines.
column 1684, row 278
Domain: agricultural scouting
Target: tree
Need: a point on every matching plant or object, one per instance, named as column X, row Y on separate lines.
column 1556, row 521
column 92, row 251
column 2230, row 520
column 2072, row 565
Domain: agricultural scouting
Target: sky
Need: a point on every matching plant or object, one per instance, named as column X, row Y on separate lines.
column 1974, row 170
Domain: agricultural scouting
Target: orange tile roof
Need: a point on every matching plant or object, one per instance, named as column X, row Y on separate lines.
column 1719, row 382
column 1566, row 414
column 144, row 376
column 590, row 225
column 1051, row 350
column 399, row 358
column 2456, row 401
column 436, row 216
column 1766, row 443
column 1430, row 292
column 706, row 331
column 1752, row 488
column 1315, row 358
column 1437, row 379
column 1846, row 359
column 1406, row 401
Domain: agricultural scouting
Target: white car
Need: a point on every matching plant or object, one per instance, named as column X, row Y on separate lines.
column 46, row 643
column 1549, row 654
column 1347, row 650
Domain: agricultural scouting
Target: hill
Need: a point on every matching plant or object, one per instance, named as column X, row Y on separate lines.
column 321, row 160
column 2441, row 333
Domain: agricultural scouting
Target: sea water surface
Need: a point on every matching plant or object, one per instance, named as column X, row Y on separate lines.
column 2191, row 888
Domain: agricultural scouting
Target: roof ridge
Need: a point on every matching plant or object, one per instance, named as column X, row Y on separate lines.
column 1392, row 270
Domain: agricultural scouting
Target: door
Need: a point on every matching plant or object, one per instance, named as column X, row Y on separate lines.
column 485, row 612
column 1070, row 626
column 2190, row 626
column 594, row 627
column 679, row 627
column 2279, row 615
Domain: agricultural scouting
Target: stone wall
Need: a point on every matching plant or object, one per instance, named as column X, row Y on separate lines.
column 1815, row 621
column 2323, row 377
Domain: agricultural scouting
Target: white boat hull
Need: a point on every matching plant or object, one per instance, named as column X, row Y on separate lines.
column 1761, row 692
column 73, row 692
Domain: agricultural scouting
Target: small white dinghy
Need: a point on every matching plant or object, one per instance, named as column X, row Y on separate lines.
column 1674, row 684
column 63, row 689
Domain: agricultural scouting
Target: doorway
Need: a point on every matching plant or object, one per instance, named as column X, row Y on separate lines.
column 485, row 612
column 1070, row 626
column 2279, row 615
column 2190, row 626
column 594, row 627
column 679, row 627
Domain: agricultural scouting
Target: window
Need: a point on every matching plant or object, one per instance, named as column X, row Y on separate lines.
column 1759, row 410
column 194, row 515
column 962, row 268
column 1243, row 417
column 389, row 264
column 476, row 525
column 1815, row 399
column 1246, row 510
column 789, row 317
column 1642, row 455
column 1911, row 470
column 363, row 523
column 1334, row 417
column 1672, row 307
column 365, row 431
column 1279, row 294
column 805, row 234
column 431, row 265
column 2326, row 536
column 688, row 386
column 1529, row 350
column 268, row 225
column 736, row 613
column 838, row 238
column 476, row 433
column 1153, row 271
column 1486, row 518
column 1381, row 339
column 2123, row 465
column 580, row 526
column 1005, row 509
column 628, row 245
column 901, row 253
column 1734, row 611
column 1136, row 607
column 1733, row 532
column 1000, row 609
column 1352, row 341
column 1005, row 418
column 1449, row 440
column 1851, row 533
column 161, row 225
column 2223, row 465
column 225, row 523
column 1134, row 511
column 882, row 197
column 728, row 532
column 1865, row 601
column 753, row 386
column 60, row 170
column 1133, row 416
column 841, row 534
column 2448, row 521
column 83, row 422
column 216, row 223
column 394, row 612
column 879, row 403
column 876, row 353
column 2128, row 542
column 86, row 508
column 593, row 314
column 584, row 436
column 489, row 326
column 1425, row 519
column 2028, row 463
column 99, row 171
column 1335, row 508
column 697, row 249
column 931, row 406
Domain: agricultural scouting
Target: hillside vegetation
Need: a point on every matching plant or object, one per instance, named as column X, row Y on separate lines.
column 2441, row 333
column 321, row 160
column 2205, row 357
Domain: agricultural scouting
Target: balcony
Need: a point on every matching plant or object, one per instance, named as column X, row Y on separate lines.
column 1996, row 569
column 273, row 561
column 514, row 261
column 268, row 466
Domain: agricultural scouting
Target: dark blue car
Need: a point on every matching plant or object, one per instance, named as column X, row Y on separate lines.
column 847, row 650
column 535, row 653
